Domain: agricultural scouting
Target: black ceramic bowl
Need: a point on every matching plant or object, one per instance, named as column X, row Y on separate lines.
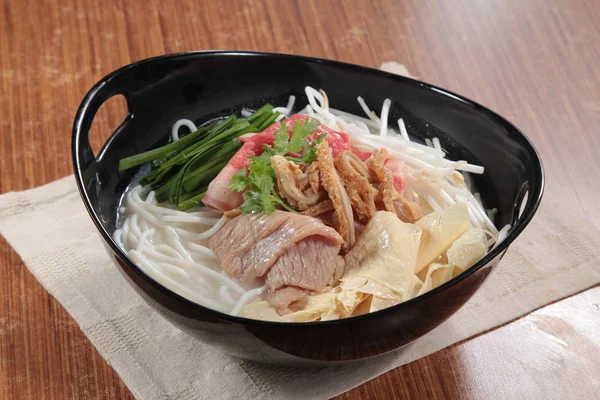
column 195, row 85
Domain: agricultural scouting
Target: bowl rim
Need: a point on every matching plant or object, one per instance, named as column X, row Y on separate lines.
column 533, row 200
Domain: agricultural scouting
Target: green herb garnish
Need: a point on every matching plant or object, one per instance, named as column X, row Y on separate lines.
column 310, row 154
column 182, row 170
column 284, row 144
column 258, row 180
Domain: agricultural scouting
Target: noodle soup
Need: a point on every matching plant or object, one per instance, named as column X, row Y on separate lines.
column 307, row 215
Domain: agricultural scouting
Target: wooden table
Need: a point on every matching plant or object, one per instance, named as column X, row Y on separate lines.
column 535, row 61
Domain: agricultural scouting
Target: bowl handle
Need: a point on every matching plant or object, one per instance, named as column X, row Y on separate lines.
column 83, row 155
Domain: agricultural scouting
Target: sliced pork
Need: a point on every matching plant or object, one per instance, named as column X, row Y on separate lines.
column 304, row 265
column 286, row 249
column 219, row 197
column 283, row 298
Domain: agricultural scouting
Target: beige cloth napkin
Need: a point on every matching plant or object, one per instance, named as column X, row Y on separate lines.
column 50, row 229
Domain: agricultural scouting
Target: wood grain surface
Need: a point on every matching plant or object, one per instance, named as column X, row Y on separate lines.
column 536, row 62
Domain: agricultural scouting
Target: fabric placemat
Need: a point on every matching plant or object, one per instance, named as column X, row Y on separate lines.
column 50, row 229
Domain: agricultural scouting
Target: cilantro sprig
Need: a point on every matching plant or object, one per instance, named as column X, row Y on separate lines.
column 284, row 144
column 310, row 154
column 258, row 180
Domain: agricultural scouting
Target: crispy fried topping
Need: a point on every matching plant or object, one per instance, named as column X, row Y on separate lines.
column 354, row 174
column 294, row 185
column 318, row 209
column 337, row 194
column 232, row 213
column 385, row 178
column 406, row 210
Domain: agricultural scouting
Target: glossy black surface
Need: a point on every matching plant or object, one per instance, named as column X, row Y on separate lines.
column 200, row 85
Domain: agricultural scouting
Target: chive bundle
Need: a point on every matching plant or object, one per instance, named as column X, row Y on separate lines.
column 182, row 170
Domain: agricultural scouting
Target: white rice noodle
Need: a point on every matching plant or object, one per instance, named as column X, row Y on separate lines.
column 167, row 251
column 174, row 280
column 182, row 122
column 175, row 241
column 213, row 230
column 478, row 198
column 152, row 206
column 307, row 111
column 434, row 204
column 167, row 244
column 143, row 238
column 480, row 211
column 199, row 270
column 355, row 118
column 354, row 127
column 117, row 237
column 502, row 234
column 247, row 297
column 359, row 125
column 416, row 197
column 150, row 198
column 429, row 158
column 449, row 200
column 367, row 111
column 287, row 110
column 403, row 131
column 399, row 143
column 190, row 218
column 321, row 108
column 224, row 294
column 385, row 110
column 205, row 251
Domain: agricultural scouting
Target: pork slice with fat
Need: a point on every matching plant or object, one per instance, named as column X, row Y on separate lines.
column 295, row 254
